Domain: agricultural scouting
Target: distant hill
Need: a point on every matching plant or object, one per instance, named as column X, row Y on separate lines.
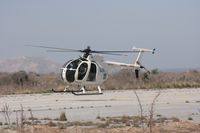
column 43, row 65
column 29, row 64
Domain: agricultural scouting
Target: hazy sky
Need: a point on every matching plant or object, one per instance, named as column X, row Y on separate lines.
column 170, row 26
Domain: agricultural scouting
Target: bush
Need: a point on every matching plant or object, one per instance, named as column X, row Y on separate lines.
column 175, row 119
column 98, row 117
column 102, row 125
column 51, row 124
column 154, row 71
column 20, row 78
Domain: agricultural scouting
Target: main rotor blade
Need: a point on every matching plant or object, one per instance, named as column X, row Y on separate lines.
column 81, row 51
column 62, row 51
column 40, row 46
column 114, row 54
column 129, row 51
column 88, row 50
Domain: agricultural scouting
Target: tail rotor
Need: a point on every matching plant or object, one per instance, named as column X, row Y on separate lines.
column 138, row 65
column 139, row 68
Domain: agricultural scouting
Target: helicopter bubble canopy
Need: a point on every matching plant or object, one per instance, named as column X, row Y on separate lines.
column 81, row 69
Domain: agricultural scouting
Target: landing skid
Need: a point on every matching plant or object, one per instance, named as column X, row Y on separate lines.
column 80, row 92
column 66, row 91
column 89, row 93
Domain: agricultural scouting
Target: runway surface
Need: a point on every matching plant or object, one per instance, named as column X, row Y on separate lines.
column 181, row 103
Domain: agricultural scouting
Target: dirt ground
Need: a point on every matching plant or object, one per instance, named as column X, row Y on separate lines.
column 172, row 127
column 180, row 103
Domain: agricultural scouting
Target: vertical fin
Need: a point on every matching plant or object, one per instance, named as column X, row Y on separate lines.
column 139, row 57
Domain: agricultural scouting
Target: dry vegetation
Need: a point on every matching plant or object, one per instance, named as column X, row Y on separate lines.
column 123, row 124
column 125, row 79
column 22, row 82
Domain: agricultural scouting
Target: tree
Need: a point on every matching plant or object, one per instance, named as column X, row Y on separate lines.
column 20, row 78
column 155, row 71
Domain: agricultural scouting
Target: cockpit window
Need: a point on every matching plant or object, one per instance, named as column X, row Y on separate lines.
column 82, row 70
column 92, row 73
column 74, row 64
column 70, row 75
column 67, row 63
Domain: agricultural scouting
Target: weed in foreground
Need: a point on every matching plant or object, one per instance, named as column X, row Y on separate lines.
column 63, row 116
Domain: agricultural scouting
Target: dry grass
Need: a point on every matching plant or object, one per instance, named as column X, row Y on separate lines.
column 126, row 80
column 22, row 82
column 173, row 127
column 123, row 124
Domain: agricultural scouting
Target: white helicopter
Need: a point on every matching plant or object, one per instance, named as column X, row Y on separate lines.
column 85, row 70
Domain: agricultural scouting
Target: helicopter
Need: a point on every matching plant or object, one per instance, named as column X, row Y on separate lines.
column 86, row 70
